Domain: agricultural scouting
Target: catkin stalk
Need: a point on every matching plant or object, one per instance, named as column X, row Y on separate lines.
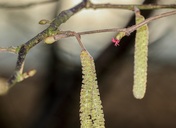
column 140, row 59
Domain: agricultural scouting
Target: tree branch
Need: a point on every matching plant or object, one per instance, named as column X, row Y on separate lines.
column 94, row 6
column 52, row 31
column 128, row 31
column 10, row 49
column 130, row 7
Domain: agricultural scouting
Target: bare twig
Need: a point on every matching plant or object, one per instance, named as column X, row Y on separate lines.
column 134, row 27
column 130, row 7
column 128, row 30
column 65, row 34
column 10, row 49
column 91, row 5
column 52, row 31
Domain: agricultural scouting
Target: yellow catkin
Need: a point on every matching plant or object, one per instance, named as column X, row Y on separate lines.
column 3, row 86
column 91, row 113
column 120, row 35
column 140, row 59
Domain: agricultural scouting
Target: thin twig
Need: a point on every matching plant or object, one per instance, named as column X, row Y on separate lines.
column 127, row 30
column 78, row 37
column 64, row 34
column 94, row 6
column 130, row 7
column 50, row 31
column 13, row 50
column 134, row 27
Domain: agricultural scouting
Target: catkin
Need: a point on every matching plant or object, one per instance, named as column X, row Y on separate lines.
column 91, row 113
column 140, row 59
column 120, row 35
column 3, row 86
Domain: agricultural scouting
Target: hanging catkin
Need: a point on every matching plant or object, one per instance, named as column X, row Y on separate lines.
column 4, row 87
column 140, row 59
column 91, row 113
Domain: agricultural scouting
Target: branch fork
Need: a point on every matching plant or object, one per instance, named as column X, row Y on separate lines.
column 52, row 34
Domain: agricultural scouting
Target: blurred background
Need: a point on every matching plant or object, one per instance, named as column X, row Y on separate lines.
column 50, row 99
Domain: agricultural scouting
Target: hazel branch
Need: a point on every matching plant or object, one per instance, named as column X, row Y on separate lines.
column 130, row 7
column 52, row 34
column 92, row 5
column 10, row 49
column 132, row 28
column 128, row 31
column 18, row 74
column 65, row 34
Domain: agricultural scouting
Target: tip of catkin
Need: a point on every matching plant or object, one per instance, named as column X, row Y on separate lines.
column 139, row 91
column 3, row 86
column 138, row 96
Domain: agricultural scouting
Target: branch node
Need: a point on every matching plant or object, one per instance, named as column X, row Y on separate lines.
column 88, row 4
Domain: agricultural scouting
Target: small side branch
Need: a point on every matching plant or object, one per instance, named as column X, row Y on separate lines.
column 64, row 34
column 130, row 7
column 10, row 49
column 91, row 5
column 18, row 74
column 53, row 31
column 148, row 20
column 128, row 31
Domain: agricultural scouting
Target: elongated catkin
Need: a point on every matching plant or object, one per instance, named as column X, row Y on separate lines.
column 4, row 87
column 91, row 113
column 140, row 59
